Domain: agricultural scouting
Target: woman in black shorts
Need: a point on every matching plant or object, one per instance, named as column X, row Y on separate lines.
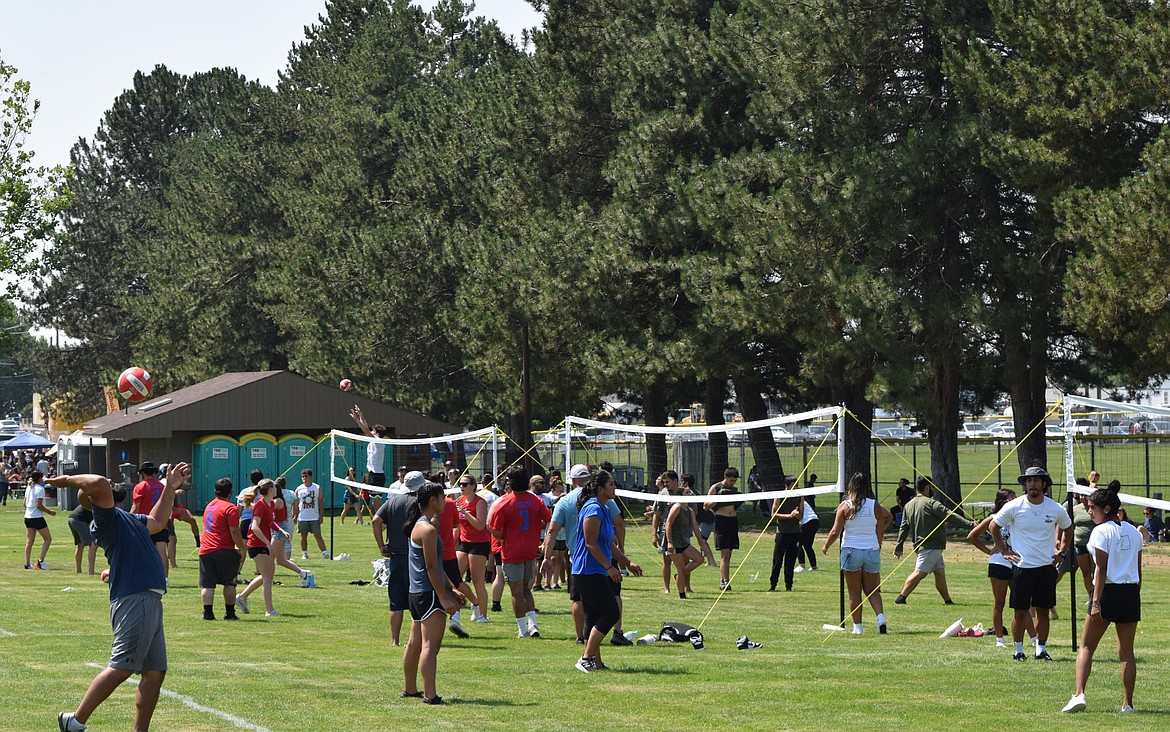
column 474, row 543
column 1116, row 548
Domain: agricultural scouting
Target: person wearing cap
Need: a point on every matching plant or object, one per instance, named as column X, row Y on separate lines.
column 923, row 522
column 309, row 514
column 398, row 485
column 145, row 496
column 516, row 521
column 392, row 542
column 1031, row 518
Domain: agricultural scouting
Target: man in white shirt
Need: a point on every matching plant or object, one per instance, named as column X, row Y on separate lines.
column 1033, row 519
column 309, row 515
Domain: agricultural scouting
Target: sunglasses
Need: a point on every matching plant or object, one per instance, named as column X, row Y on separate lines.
column 465, row 485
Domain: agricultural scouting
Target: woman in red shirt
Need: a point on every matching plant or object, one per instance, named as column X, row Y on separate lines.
column 260, row 546
column 474, row 543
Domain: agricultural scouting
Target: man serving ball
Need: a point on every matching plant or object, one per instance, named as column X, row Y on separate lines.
column 137, row 583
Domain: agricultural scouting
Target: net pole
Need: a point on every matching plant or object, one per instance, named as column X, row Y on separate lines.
column 568, row 446
column 840, row 492
column 332, row 461
column 495, row 456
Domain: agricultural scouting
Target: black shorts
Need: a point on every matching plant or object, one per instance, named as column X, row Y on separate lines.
column 220, row 567
column 423, row 605
column 255, row 551
column 37, row 523
column 1034, row 587
column 398, row 583
column 999, row 572
column 162, row 537
column 1122, row 603
column 726, row 532
column 480, row 548
column 378, row 479
column 559, row 545
column 575, row 595
column 498, row 557
column 451, row 569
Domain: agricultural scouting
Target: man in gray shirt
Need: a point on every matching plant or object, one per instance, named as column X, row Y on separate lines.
column 390, row 519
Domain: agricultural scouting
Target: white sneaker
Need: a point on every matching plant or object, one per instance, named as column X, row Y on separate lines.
column 242, row 604
column 271, row 614
column 522, row 633
column 800, row 569
column 41, row 565
column 1126, row 709
column 458, row 630
column 325, row 554
column 857, row 631
column 304, row 555
column 482, row 619
column 586, row 665
column 1076, row 704
column 533, row 631
column 67, row 723
column 1000, row 643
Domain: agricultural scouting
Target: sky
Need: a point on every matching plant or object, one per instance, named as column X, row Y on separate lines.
column 79, row 55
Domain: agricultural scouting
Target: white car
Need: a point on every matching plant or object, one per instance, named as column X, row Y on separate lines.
column 974, row 430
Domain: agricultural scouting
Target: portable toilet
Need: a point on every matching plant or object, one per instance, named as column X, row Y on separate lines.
column 214, row 457
column 258, row 452
column 294, row 453
column 347, row 454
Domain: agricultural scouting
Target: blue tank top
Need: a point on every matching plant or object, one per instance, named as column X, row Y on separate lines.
column 420, row 581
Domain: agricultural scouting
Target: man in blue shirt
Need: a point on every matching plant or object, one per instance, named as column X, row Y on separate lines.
column 137, row 584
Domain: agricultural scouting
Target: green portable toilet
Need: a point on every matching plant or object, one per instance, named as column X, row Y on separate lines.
column 258, row 452
column 347, row 454
column 213, row 457
column 294, row 453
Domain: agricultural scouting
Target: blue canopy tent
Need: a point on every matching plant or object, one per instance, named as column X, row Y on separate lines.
column 26, row 441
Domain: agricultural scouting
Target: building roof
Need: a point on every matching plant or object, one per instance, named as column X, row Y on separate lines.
column 261, row 401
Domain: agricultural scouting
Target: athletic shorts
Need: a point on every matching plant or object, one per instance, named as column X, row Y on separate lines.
column 929, row 560
column 82, row 536
column 861, row 560
column 497, row 556
column 162, row 537
column 37, row 523
column 1034, row 587
column 378, row 479
column 180, row 513
column 451, row 569
column 726, row 532
column 999, row 572
column 309, row 527
column 520, row 571
column 220, row 567
column 350, row 498
column 423, row 605
column 681, row 549
column 1122, row 603
column 575, row 595
column 480, row 548
column 139, row 643
column 559, row 545
column 255, row 551
column 705, row 528
column 398, row 583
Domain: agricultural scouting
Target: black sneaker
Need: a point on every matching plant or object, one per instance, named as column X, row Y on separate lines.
column 899, row 600
column 433, row 700
column 948, row 602
column 496, row 608
column 1019, row 657
column 233, row 616
column 620, row 640
column 882, row 629
column 744, row 643
column 209, row 617
column 1043, row 656
column 580, row 641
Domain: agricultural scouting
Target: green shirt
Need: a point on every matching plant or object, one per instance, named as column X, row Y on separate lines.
column 920, row 519
column 1082, row 525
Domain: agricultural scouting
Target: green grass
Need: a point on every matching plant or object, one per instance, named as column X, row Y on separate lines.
column 326, row 664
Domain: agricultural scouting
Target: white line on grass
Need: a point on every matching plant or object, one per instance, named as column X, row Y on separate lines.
column 200, row 708
column 7, row 634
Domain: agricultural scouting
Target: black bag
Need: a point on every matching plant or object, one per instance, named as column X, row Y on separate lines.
column 681, row 633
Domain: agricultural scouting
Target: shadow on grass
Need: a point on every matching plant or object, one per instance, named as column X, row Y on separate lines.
column 648, row 671
column 448, row 701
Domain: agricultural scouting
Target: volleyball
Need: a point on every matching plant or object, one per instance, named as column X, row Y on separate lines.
column 105, row 575
column 346, row 385
column 135, row 384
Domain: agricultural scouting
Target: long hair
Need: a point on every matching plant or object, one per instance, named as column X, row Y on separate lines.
column 589, row 490
column 1002, row 496
column 422, row 498
column 264, row 486
column 1107, row 499
column 856, row 493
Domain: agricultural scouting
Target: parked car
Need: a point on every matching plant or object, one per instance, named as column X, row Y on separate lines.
column 974, row 430
column 894, row 433
column 782, row 436
column 1003, row 431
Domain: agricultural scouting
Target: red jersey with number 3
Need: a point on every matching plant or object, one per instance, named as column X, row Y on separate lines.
column 218, row 519
column 519, row 516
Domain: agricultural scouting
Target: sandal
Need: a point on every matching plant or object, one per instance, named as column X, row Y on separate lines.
column 415, row 695
column 433, row 700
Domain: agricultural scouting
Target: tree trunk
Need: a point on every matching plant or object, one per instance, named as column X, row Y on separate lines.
column 1028, row 403
column 942, row 424
column 858, row 457
column 767, row 457
column 654, row 407
column 716, row 441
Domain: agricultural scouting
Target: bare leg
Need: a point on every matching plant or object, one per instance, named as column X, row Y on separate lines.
column 48, row 539
column 147, row 698
column 104, row 684
column 410, row 657
column 30, row 535
column 853, row 586
column 940, row 584
column 725, row 565
column 92, row 556
column 396, row 627
column 1125, row 634
column 161, row 548
column 1090, row 637
column 871, row 585
column 432, row 640
column 77, row 551
column 911, row 583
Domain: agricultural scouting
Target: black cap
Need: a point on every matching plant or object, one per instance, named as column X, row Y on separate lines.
column 148, row 468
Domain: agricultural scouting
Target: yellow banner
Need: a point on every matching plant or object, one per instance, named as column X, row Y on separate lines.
column 111, row 400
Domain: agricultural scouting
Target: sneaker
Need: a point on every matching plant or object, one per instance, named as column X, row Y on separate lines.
column 813, row 569
column 1126, row 709
column 620, row 640
column 433, row 700
column 271, row 614
column 325, row 555
column 1000, row 643
column 496, row 608
column 882, row 629
column 534, row 632
column 41, row 565
column 900, row 600
column 744, row 643
column 580, row 641
column 458, row 630
column 242, row 604
column 1076, row 704
column 1043, row 656
column 209, row 617
column 67, row 723
column 482, row 619
column 857, row 631
column 586, row 665
column 1019, row 657
column 28, row 566
column 538, row 588
column 307, row 579
column 800, row 569
column 724, row 585
column 523, row 633
column 304, row 555
column 233, row 616
column 948, row 602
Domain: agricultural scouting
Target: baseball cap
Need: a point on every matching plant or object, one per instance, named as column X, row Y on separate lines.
column 579, row 471
column 414, row 480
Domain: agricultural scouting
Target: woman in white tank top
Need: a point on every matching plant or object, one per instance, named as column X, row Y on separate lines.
column 860, row 522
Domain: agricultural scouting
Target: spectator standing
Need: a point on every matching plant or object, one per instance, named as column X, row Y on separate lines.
column 923, row 521
column 79, row 520
column 726, row 524
column 516, row 521
column 309, row 503
column 34, row 521
column 392, row 542
column 221, row 551
column 787, row 511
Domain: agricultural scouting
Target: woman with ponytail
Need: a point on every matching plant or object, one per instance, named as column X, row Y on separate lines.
column 860, row 521
column 999, row 570
column 1116, row 548
column 432, row 598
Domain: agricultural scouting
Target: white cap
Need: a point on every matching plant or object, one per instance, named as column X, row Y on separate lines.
column 414, row 480
column 579, row 471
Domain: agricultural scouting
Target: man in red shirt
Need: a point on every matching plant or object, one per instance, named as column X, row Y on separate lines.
column 221, row 552
column 145, row 495
column 516, row 521
column 449, row 534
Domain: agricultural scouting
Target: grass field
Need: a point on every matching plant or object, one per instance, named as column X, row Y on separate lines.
column 326, row 663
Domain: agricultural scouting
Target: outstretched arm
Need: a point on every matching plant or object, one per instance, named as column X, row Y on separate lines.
column 92, row 490
column 356, row 414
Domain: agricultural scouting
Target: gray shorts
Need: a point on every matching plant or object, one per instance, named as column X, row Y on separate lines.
column 309, row 527
column 139, row 643
column 929, row 560
column 81, row 534
column 520, row 571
